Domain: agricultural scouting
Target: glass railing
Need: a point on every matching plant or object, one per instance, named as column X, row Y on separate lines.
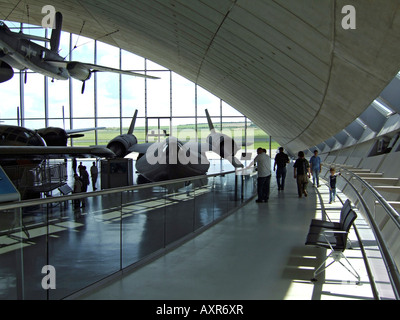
column 385, row 227
column 82, row 241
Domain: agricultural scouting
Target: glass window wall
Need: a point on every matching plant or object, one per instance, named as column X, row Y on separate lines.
column 171, row 103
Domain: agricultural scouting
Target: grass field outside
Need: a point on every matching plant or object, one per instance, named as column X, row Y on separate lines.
column 255, row 137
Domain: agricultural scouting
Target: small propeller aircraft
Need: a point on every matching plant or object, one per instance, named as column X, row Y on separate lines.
column 47, row 143
column 17, row 50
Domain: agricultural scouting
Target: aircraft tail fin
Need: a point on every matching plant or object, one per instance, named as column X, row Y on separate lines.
column 56, row 33
column 210, row 124
column 132, row 127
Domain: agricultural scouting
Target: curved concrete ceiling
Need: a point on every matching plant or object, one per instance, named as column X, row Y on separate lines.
column 288, row 65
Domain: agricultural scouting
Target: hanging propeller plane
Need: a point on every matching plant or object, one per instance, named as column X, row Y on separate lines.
column 17, row 50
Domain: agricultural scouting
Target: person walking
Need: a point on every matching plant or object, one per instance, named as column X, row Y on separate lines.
column 281, row 160
column 315, row 167
column 263, row 162
column 94, row 173
column 301, row 174
column 332, row 184
column 77, row 189
column 85, row 182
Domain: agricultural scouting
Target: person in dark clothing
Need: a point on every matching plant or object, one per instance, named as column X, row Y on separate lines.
column 85, row 182
column 77, row 189
column 281, row 160
column 301, row 174
column 332, row 184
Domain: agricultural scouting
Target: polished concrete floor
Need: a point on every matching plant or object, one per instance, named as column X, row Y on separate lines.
column 256, row 253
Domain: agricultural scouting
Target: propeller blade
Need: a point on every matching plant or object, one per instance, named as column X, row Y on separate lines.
column 83, row 87
column 74, row 136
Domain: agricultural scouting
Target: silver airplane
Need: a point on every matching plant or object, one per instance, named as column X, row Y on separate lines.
column 19, row 52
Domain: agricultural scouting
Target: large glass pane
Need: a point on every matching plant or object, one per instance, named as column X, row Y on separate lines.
column 154, row 66
column 158, row 95
column 58, row 99
column 132, row 62
column 107, row 55
column 183, row 97
column 229, row 111
column 184, row 129
column 179, row 207
column 111, row 130
column 82, row 49
column 206, row 100
column 35, row 124
column 34, row 96
column 204, row 208
column 83, row 104
column 10, row 100
column 108, row 95
column 84, row 243
column 21, row 258
column 89, row 138
column 143, row 231
column 133, row 96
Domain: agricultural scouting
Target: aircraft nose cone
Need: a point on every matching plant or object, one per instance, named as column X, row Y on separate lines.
column 6, row 72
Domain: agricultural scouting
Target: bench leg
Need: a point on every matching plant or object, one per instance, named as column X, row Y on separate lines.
column 337, row 256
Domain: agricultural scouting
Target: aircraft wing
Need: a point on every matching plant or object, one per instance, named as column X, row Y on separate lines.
column 32, row 37
column 95, row 67
column 108, row 69
column 140, row 148
column 73, row 131
column 31, row 152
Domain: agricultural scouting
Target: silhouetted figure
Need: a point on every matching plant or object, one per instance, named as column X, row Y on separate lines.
column 94, row 172
column 281, row 160
column 301, row 174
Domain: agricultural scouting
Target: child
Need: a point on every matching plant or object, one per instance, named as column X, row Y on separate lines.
column 332, row 185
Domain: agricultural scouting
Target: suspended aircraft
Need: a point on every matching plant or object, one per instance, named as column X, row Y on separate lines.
column 17, row 50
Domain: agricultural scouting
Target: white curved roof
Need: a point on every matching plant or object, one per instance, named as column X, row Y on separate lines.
column 288, row 65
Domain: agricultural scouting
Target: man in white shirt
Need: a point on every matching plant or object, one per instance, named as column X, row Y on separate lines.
column 263, row 162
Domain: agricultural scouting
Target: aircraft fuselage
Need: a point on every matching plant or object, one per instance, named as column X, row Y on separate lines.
column 24, row 54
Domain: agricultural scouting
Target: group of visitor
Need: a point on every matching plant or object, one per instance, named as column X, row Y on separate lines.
column 302, row 169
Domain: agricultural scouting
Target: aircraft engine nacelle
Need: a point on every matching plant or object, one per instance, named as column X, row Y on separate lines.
column 121, row 144
column 78, row 71
column 222, row 144
column 6, row 72
column 54, row 136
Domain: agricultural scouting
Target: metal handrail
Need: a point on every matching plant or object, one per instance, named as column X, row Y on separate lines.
column 390, row 264
column 393, row 214
column 43, row 201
